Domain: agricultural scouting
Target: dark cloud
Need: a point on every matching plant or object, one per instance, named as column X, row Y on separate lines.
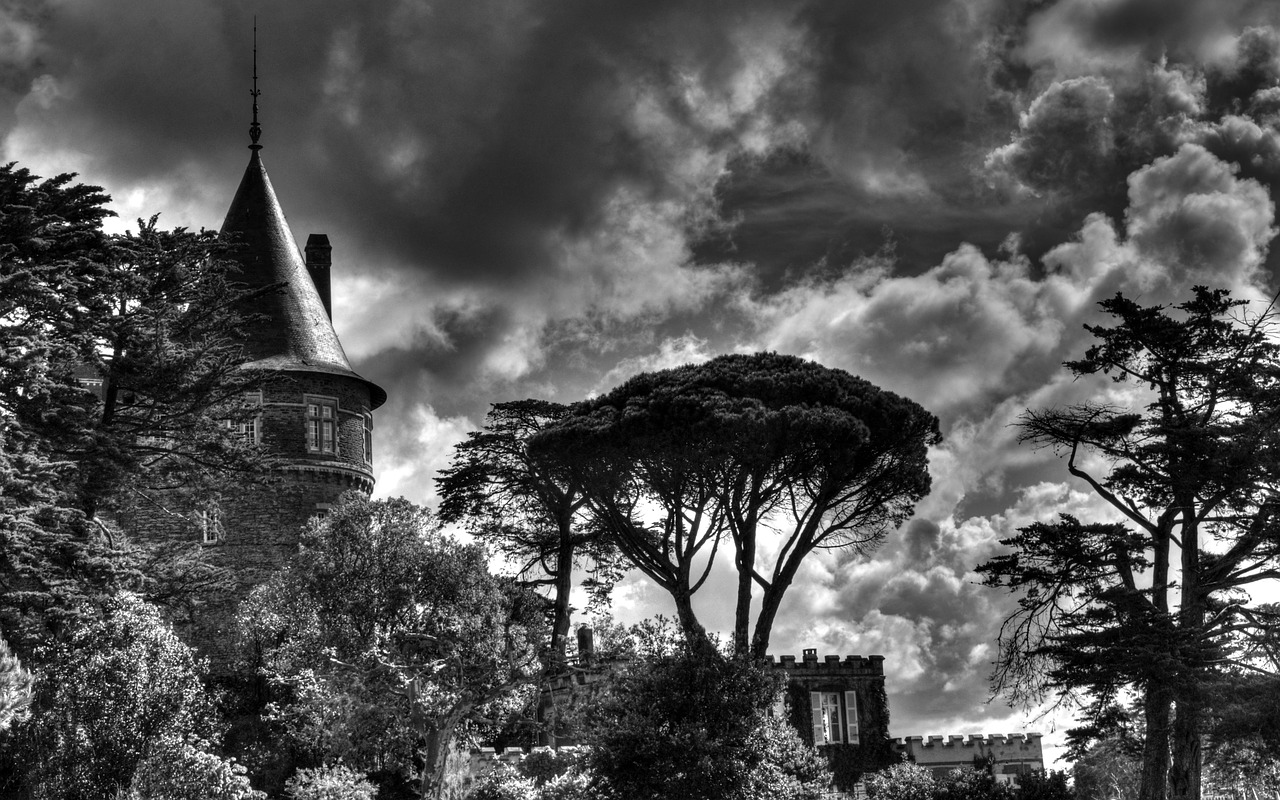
column 899, row 106
column 920, row 537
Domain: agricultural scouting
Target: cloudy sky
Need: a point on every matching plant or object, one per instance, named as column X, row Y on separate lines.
column 539, row 198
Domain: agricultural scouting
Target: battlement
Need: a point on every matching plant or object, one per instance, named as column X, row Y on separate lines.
column 1008, row 755
column 485, row 759
column 829, row 665
column 976, row 741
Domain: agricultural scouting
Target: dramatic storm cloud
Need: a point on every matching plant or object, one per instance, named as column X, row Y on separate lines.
column 539, row 199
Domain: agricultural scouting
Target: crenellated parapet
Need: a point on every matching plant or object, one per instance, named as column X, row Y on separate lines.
column 833, row 665
column 1007, row 755
column 485, row 759
column 975, row 741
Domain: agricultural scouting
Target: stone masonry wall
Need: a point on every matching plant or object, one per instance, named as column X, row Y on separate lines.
column 283, row 417
column 254, row 529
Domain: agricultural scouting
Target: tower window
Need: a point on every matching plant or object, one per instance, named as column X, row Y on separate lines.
column 322, row 424
column 826, row 718
column 368, row 439
column 209, row 526
column 246, row 429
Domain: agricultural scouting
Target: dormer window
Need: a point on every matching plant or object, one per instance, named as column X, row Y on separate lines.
column 322, row 424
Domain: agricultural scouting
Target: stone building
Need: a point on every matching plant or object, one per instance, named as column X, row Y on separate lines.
column 1008, row 757
column 314, row 412
column 838, row 704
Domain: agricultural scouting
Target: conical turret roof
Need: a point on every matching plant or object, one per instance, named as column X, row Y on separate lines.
column 293, row 332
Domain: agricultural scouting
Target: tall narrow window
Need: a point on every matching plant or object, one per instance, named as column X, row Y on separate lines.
column 368, row 439
column 826, row 717
column 209, row 526
column 322, row 425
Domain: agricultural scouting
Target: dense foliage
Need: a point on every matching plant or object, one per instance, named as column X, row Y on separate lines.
column 120, row 691
column 180, row 769
column 691, row 726
column 15, row 688
column 120, row 361
column 385, row 638
column 329, row 782
column 908, row 781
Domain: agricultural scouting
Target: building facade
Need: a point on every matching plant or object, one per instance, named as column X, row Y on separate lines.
column 838, row 704
column 1008, row 757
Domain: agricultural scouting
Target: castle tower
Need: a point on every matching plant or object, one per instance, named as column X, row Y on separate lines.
column 314, row 416
column 316, row 411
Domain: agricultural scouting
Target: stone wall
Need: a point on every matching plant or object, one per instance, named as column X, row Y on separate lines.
column 252, row 529
column 283, row 420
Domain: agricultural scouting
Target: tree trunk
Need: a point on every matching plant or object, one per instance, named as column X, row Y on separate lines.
column 1184, row 777
column 435, row 756
column 1155, row 749
column 771, row 601
column 746, row 562
column 1158, row 695
column 560, row 600
column 694, row 634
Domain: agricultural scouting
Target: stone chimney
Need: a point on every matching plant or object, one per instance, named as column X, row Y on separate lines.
column 586, row 646
column 319, row 257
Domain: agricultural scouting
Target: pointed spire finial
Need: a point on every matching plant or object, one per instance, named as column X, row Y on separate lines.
column 255, row 130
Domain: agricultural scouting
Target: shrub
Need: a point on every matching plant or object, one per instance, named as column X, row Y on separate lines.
column 326, row 782
column 504, row 783
column 113, row 692
column 180, row 770
column 903, row 781
column 15, row 688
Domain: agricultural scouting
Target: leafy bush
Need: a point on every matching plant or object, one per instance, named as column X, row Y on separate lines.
column 180, row 770
column 118, row 688
column 903, row 781
column 15, row 688
column 543, row 775
column 329, row 782
column 695, row 726
column 504, row 783
column 546, row 765
column 1044, row 786
column 972, row 784
column 909, row 781
column 575, row 784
